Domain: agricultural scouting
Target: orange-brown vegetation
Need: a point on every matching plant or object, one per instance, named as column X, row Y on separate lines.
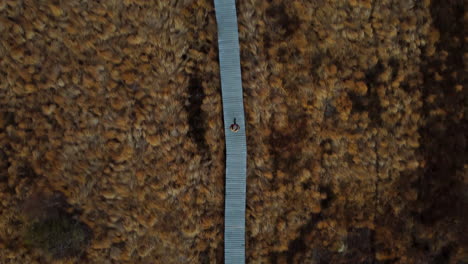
column 355, row 117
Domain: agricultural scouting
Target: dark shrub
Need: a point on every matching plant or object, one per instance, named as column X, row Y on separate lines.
column 60, row 236
column 51, row 229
